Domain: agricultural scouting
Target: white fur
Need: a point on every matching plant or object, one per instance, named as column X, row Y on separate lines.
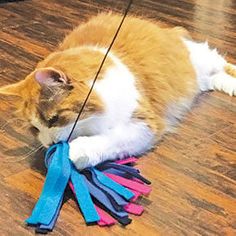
column 205, row 61
column 209, row 66
column 175, row 113
column 118, row 92
column 122, row 140
column 116, row 135
column 223, row 82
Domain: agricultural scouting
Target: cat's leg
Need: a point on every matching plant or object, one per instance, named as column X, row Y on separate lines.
column 123, row 140
column 212, row 70
column 224, row 80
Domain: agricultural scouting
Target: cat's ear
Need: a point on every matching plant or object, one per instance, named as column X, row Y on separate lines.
column 13, row 89
column 50, row 77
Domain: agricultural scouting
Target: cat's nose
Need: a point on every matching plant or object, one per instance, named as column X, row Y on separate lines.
column 47, row 145
column 50, row 144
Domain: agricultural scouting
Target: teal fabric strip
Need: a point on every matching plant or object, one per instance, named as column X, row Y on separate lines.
column 58, row 175
column 103, row 179
column 53, row 222
column 83, row 197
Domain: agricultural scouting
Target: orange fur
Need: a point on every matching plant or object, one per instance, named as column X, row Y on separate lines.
column 230, row 70
column 155, row 55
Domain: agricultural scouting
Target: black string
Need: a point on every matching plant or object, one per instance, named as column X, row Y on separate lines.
column 99, row 70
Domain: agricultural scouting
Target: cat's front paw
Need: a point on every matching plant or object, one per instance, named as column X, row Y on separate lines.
column 84, row 152
column 80, row 162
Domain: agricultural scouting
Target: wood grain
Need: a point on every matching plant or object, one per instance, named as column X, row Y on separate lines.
column 193, row 171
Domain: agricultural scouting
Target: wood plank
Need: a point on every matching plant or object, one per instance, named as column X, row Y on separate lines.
column 192, row 170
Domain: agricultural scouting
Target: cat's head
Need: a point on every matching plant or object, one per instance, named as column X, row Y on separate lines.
column 51, row 96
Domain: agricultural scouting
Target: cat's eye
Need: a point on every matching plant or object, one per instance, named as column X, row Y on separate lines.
column 53, row 120
column 35, row 131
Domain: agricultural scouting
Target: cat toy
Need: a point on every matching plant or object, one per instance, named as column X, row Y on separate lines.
column 105, row 194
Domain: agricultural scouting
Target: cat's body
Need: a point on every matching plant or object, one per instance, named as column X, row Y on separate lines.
column 149, row 80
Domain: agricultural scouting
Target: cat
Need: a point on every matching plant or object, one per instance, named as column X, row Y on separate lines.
column 148, row 82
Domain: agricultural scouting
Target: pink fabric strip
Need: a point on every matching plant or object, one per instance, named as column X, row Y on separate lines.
column 136, row 195
column 126, row 161
column 101, row 223
column 106, row 219
column 134, row 209
column 72, row 187
column 144, row 189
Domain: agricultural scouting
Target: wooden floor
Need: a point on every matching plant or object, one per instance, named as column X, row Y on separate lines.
column 193, row 171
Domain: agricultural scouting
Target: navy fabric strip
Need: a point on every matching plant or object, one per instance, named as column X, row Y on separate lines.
column 119, row 172
column 134, row 172
column 38, row 230
column 126, row 168
column 125, row 220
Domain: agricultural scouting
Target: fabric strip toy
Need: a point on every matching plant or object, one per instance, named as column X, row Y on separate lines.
column 103, row 193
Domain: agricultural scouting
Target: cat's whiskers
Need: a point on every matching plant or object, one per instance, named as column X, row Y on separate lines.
column 3, row 126
column 27, row 155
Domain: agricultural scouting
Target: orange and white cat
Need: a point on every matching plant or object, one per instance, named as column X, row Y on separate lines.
column 148, row 82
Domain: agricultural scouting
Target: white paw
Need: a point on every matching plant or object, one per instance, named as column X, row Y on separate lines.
column 225, row 83
column 85, row 152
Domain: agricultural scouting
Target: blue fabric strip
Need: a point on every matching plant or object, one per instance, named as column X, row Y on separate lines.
column 56, row 180
column 108, row 195
column 102, row 198
column 83, row 197
column 119, row 200
column 124, row 192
